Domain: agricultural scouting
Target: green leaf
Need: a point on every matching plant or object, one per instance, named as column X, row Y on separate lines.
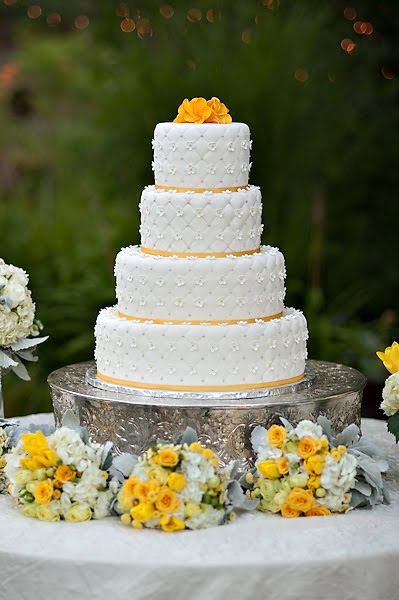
column 393, row 425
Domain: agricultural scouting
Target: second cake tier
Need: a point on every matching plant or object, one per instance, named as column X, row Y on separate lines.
column 175, row 289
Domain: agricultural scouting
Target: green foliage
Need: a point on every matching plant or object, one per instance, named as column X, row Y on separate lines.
column 76, row 155
column 393, row 425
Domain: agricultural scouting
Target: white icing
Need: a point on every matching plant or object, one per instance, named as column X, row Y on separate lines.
column 182, row 222
column 200, row 156
column 201, row 355
column 233, row 287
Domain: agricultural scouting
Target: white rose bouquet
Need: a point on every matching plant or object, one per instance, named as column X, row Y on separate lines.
column 177, row 486
column 390, row 393
column 304, row 470
column 18, row 328
column 63, row 475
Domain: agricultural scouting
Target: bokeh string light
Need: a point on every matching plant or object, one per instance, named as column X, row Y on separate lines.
column 34, row 11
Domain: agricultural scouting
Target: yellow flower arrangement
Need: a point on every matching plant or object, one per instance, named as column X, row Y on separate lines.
column 390, row 357
column 43, row 492
column 176, row 486
column 299, row 471
column 199, row 110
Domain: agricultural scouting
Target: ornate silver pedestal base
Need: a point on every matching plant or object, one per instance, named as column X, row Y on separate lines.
column 134, row 419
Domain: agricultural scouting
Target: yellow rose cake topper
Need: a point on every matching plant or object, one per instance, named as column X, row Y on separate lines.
column 390, row 357
column 199, row 110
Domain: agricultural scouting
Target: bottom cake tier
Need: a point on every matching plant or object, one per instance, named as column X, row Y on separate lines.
column 205, row 357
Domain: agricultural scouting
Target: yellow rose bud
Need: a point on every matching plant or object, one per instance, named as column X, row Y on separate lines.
column 43, row 492
column 170, row 524
column 137, row 525
column 142, row 512
column 192, row 509
column 214, row 482
column 306, row 447
column 177, row 482
column 269, row 469
column 125, row 518
column 314, row 481
column 299, row 480
column 390, row 357
column 167, row 501
column 320, row 492
column 23, row 477
column 249, row 478
column 300, row 500
column 232, row 516
column 3, row 462
column 336, row 455
column 78, row 513
column 276, row 436
column 56, row 495
column 196, row 447
column 341, row 449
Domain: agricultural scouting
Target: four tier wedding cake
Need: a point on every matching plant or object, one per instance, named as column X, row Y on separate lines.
column 200, row 304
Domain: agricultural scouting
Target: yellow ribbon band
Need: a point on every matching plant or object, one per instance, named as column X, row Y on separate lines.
column 201, row 388
column 167, row 188
column 155, row 252
column 201, row 322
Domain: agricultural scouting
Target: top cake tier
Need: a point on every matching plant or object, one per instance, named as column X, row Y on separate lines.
column 208, row 156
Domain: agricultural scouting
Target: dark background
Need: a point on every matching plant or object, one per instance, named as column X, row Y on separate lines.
column 82, row 85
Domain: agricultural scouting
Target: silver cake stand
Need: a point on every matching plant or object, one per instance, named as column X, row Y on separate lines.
column 133, row 419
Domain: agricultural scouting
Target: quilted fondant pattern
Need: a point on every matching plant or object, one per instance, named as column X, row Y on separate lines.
column 230, row 288
column 201, row 355
column 201, row 222
column 201, row 156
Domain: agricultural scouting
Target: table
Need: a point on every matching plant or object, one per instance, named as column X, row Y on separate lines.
column 342, row 557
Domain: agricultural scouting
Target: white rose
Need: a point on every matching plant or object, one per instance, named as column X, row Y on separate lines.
column 390, row 394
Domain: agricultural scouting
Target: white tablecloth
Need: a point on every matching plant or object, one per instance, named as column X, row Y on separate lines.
column 342, row 557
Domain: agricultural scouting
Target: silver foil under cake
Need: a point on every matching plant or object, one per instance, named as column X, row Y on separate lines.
column 133, row 419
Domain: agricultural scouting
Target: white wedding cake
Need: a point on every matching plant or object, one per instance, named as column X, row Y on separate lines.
column 200, row 304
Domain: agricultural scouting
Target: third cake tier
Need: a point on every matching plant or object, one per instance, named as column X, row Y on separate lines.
column 174, row 289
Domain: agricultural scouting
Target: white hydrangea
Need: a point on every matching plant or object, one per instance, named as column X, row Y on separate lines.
column 208, row 517
column 196, row 467
column 390, row 394
column 17, row 311
column 337, row 479
column 307, row 428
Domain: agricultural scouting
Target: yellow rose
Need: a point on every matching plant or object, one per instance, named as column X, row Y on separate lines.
column 336, row 455
column 318, row 511
column 192, row 509
column 289, row 512
column 196, row 447
column 177, row 482
column 158, row 474
column 300, row 500
column 307, row 446
column 47, row 458
column 47, row 513
column 276, row 435
column 390, row 357
column 219, row 112
column 23, row 477
column 170, row 524
column 34, row 443
column 207, row 453
column 283, row 465
column 43, row 492
column 126, row 520
column 30, row 510
column 64, row 473
column 314, row 464
column 129, row 486
column 142, row 512
column 193, row 111
column 78, row 513
column 269, row 469
column 166, row 457
column 167, row 501
column 146, row 491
